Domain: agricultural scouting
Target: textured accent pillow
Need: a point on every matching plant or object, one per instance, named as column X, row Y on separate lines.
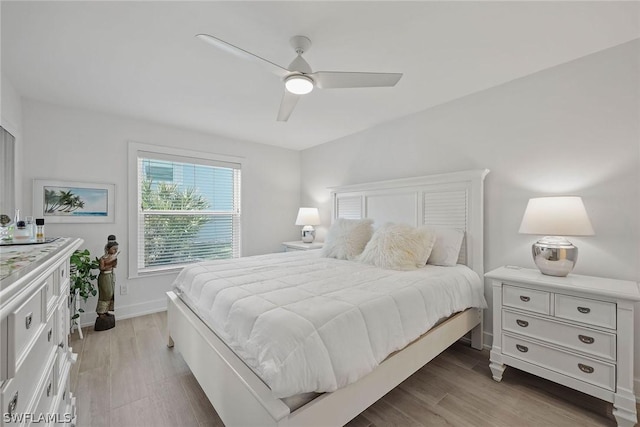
column 347, row 238
column 399, row 247
column 446, row 250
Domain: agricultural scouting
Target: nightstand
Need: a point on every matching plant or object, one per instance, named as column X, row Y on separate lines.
column 301, row 246
column 574, row 330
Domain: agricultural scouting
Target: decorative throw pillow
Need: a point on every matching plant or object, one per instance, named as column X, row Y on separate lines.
column 347, row 238
column 399, row 247
column 446, row 250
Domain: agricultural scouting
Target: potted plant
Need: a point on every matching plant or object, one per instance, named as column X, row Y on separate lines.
column 82, row 279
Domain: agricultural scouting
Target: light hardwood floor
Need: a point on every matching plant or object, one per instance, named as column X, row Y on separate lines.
column 127, row 376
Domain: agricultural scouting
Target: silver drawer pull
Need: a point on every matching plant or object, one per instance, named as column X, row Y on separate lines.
column 584, row 310
column 585, row 339
column 525, row 299
column 13, row 403
column 27, row 320
column 49, row 335
column 522, row 348
column 64, row 394
column 522, row 323
column 585, row 368
column 49, row 390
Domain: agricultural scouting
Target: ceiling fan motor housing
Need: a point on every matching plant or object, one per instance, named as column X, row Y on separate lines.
column 300, row 44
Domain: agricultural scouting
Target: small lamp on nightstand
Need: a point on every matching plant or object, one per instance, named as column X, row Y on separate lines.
column 308, row 217
column 555, row 217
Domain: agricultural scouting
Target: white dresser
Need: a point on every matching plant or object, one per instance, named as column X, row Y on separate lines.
column 36, row 359
column 575, row 330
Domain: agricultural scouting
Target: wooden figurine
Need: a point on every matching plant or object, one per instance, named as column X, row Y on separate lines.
column 106, row 286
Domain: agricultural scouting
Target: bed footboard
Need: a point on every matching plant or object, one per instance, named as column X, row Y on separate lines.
column 242, row 399
column 237, row 394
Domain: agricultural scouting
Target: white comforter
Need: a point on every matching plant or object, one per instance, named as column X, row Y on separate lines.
column 305, row 323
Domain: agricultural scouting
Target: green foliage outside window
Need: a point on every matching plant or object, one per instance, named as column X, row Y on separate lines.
column 169, row 236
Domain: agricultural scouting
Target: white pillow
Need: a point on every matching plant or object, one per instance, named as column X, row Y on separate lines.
column 347, row 238
column 399, row 247
column 446, row 250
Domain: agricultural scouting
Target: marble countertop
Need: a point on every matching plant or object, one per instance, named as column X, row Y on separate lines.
column 17, row 258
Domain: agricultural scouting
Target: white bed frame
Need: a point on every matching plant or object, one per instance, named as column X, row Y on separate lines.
column 242, row 399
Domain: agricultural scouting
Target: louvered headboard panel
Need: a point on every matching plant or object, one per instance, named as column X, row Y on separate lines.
column 452, row 200
column 447, row 209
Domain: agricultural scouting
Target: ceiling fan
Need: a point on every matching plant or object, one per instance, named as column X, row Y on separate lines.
column 299, row 79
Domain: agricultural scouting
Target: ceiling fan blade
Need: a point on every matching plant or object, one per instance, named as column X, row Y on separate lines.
column 339, row 79
column 235, row 50
column 288, row 103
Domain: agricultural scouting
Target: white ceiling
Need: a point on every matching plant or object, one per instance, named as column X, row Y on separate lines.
column 141, row 59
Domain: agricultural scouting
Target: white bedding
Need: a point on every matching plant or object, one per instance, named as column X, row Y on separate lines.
column 309, row 324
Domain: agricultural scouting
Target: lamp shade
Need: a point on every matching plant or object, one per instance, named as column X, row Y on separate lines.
column 556, row 216
column 308, row 216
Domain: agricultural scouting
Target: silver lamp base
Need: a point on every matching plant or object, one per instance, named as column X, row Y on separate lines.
column 554, row 256
column 308, row 234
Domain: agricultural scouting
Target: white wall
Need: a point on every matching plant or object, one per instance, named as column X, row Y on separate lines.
column 79, row 145
column 573, row 129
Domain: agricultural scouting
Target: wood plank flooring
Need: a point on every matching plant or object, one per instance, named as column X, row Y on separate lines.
column 127, row 376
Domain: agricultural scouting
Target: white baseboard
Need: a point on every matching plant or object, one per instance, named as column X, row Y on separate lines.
column 128, row 311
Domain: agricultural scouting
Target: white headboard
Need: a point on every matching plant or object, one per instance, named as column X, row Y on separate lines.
column 453, row 200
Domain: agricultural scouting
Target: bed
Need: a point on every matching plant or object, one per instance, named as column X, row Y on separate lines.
column 239, row 394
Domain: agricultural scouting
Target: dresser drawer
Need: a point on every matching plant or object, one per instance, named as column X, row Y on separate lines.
column 22, row 326
column 526, row 299
column 46, row 395
column 595, row 343
column 591, row 371
column 18, row 392
column 62, row 339
column 63, row 277
column 50, row 292
column 584, row 310
column 65, row 410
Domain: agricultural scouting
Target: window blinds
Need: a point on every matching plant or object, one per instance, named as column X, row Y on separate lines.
column 188, row 210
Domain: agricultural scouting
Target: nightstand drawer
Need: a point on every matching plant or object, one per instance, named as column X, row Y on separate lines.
column 592, row 312
column 592, row 371
column 595, row 343
column 526, row 299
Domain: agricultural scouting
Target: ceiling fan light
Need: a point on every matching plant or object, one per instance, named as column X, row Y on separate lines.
column 298, row 84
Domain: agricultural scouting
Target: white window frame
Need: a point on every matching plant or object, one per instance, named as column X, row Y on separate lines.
column 135, row 150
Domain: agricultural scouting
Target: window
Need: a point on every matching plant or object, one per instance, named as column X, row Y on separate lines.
column 187, row 208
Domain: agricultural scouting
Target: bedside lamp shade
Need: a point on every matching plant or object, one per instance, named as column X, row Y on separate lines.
column 308, row 217
column 555, row 217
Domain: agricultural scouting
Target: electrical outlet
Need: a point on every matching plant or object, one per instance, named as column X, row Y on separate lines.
column 123, row 289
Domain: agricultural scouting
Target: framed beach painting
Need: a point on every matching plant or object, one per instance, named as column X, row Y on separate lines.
column 73, row 202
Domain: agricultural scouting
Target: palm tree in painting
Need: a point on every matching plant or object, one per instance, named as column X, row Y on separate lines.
column 51, row 201
column 61, row 201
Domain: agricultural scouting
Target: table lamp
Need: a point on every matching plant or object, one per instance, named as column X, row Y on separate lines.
column 554, row 218
column 308, row 217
